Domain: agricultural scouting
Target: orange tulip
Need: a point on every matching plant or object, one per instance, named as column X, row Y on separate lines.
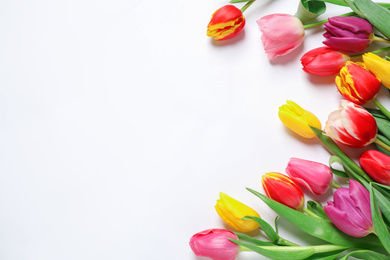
column 225, row 23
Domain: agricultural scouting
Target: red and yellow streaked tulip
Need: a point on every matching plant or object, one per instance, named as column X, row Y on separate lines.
column 379, row 67
column 284, row 190
column 377, row 165
column 226, row 23
column 323, row 61
column 357, row 84
column 232, row 211
column 351, row 125
column 298, row 119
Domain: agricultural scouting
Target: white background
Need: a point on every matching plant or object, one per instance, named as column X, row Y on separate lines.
column 121, row 122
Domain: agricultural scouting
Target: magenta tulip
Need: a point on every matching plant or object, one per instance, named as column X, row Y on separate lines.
column 350, row 210
column 313, row 176
column 282, row 33
column 377, row 165
column 350, row 34
column 323, row 61
column 215, row 244
column 351, row 125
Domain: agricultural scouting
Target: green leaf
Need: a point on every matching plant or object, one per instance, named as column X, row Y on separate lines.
column 383, row 126
column 317, row 209
column 382, row 196
column 279, row 252
column 386, row 141
column 334, row 159
column 326, row 255
column 309, row 10
column 380, row 227
column 267, row 228
column 253, row 240
column 377, row 15
column 318, row 227
column 376, row 113
column 366, row 255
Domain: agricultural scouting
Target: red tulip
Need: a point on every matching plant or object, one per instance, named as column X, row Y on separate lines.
column 283, row 190
column 357, row 84
column 377, row 165
column 351, row 125
column 225, row 23
column 323, row 61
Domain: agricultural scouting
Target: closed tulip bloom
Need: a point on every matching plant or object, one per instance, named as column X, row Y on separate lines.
column 283, row 190
column 215, row 244
column 232, row 211
column 357, row 84
column 351, row 125
column 350, row 34
column 323, row 61
column 350, row 210
column 298, row 119
column 225, row 23
column 281, row 34
column 313, row 176
column 377, row 165
column 379, row 67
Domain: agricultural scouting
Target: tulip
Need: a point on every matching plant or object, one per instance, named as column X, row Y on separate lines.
column 351, row 125
column 377, row 165
column 283, row 190
column 298, row 119
column 232, row 211
column 357, row 84
column 215, row 244
column 323, row 61
column 350, row 34
column 379, row 67
column 226, row 23
column 350, row 210
column 282, row 33
column 313, row 176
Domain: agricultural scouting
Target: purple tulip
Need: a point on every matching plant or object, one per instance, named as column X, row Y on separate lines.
column 351, row 210
column 350, row 34
column 215, row 244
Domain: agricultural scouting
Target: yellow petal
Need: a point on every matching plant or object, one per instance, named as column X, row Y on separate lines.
column 379, row 67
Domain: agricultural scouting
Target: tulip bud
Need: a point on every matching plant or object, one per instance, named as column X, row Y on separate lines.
column 226, row 23
column 379, row 67
column 377, row 165
column 215, row 243
column 350, row 210
column 323, row 61
column 283, row 190
column 313, row 176
column 232, row 211
column 350, row 34
column 351, row 125
column 282, row 33
column 298, row 119
column 357, row 84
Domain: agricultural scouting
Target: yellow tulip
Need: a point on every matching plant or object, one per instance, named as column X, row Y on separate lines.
column 232, row 211
column 298, row 119
column 379, row 67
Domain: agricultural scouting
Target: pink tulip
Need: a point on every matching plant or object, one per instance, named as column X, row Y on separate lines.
column 313, row 176
column 350, row 210
column 351, row 125
column 215, row 244
column 282, row 33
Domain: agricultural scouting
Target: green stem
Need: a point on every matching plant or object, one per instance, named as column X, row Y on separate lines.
column 308, row 212
column 311, row 25
column 374, row 52
column 285, row 242
column 335, row 185
column 247, row 5
column 381, row 108
column 382, row 144
column 380, row 39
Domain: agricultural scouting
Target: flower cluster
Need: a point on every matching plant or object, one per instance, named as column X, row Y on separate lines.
column 356, row 222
